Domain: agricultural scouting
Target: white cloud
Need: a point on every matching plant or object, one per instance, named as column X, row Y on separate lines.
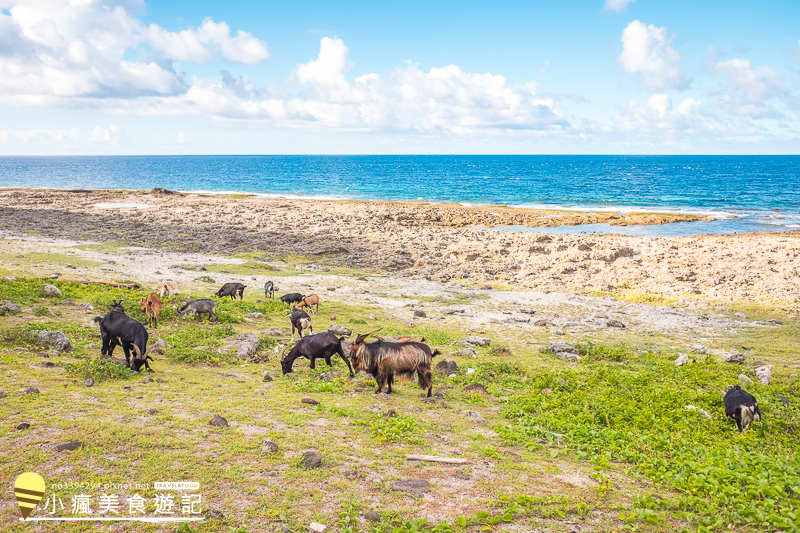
column 445, row 99
column 617, row 5
column 97, row 135
column 201, row 44
column 747, row 90
column 753, row 83
column 646, row 52
column 659, row 116
column 62, row 52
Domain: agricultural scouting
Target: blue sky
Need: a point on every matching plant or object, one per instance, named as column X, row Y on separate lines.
column 589, row 76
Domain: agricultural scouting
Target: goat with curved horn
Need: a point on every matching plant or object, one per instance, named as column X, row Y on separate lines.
column 362, row 337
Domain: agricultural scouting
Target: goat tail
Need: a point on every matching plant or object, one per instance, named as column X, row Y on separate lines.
column 435, row 353
column 98, row 319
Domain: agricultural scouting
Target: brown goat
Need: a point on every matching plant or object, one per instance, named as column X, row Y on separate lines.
column 389, row 360
column 151, row 307
column 308, row 301
column 166, row 289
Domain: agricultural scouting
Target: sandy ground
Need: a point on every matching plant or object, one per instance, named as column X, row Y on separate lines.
column 422, row 241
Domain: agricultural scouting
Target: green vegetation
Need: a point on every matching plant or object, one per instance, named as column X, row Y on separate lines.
column 616, row 420
column 98, row 369
column 635, row 413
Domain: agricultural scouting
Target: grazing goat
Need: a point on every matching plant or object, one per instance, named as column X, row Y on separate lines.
column 166, row 290
column 309, row 301
column 269, row 289
column 292, row 298
column 742, row 407
column 118, row 329
column 197, row 308
column 313, row 347
column 151, row 306
column 232, row 290
column 387, row 361
column 300, row 321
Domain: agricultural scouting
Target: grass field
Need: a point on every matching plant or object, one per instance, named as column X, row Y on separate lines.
column 603, row 444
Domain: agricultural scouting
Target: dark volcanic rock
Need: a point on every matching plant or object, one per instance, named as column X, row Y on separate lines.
column 476, row 387
column 446, row 366
column 372, row 516
column 312, row 460
column 71, row 446
column 310, row 401
column 269, row 446
column 30, row 390
column 219, row 422
column 23, row 425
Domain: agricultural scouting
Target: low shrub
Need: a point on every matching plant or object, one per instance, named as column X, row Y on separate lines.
column 98, row 369
column 635, row 413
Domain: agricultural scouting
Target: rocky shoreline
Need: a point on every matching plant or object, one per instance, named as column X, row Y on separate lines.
column 441, row 242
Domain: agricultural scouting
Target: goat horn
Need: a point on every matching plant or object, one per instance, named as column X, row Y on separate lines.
column 361, row 338
column 283, row 352
column 138, row 353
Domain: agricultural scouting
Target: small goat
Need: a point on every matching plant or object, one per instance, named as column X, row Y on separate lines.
column 232, row 290
column 292, row 298
column 300, row 321
column 742, row 407
column 151, row 306
column 386, row 361
column 313, row 347
column 309, row 301
column 197, row 308
column 166, row 290
column 269, row 289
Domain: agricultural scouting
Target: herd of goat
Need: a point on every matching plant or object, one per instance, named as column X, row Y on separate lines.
column 385, row 361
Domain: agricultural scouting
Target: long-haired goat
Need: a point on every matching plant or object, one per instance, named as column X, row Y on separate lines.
column 387, row 361
column 151, row 306
column 309, row 301
column 742, row 407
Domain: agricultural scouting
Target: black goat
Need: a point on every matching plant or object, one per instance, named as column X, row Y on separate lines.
column 300, row 321
column 232, row 290
column 269, row 289
column 386, row 361
column 742, row 407
column 292, row 298
column 118, row 329
column 313, row 347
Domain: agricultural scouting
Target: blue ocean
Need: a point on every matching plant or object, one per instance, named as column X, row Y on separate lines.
column 744, row 193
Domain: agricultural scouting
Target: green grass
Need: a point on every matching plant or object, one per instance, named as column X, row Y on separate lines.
column 634, row 413
column 620, row 413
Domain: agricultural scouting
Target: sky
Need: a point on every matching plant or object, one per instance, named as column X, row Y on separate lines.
column 129, row 77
